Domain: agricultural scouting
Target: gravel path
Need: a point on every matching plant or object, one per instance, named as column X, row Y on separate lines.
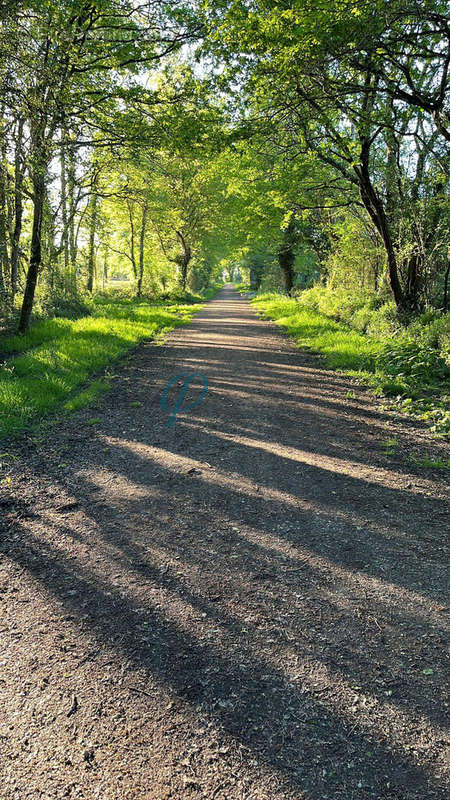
column 246, row 604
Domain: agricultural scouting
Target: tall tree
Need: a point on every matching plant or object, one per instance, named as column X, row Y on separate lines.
column 330, row 80
column 68, row 61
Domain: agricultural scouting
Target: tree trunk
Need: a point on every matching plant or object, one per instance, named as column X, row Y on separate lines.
column 286, row 257
column 91, row 251
column 49, row 248
column 64, row 215
column 105, row 268
column 35, row 249
column 374, row 207
column 185, row 260
column 184, row 272
column 18, row 209
column 141, row 250
column 255, row 279
column 414, row 275
column 446, row 277
column 4, row 257
column 72, row 239
column 132, row 238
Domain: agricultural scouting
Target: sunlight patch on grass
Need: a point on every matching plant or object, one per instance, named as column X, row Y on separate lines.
column 343, row 347
column 86, row 396
column 431, row 463
column 57, row 356
column 406, row 369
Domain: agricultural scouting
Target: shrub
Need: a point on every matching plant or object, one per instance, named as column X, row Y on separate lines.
column 67, row 307
column 407, row 359
column 413, row 364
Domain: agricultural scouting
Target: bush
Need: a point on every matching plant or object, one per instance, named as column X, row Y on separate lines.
column 409, row 360
column 413, row 364
column 67, row 307
column 367, row 312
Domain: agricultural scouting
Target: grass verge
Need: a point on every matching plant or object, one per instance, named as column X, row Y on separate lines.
column 408, row 369
column 42, row 370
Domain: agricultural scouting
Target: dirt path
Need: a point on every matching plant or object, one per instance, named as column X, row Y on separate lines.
column 239, row 606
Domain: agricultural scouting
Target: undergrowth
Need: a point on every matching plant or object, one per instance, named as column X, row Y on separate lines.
column 43, row 369
column 410, row 363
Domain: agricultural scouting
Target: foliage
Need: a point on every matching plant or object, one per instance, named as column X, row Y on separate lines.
column 289, row 146
column 356, row 95
column 413, row 367
column 365, row 311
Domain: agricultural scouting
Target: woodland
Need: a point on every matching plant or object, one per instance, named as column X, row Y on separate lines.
column 224, row 399
column 152, row 150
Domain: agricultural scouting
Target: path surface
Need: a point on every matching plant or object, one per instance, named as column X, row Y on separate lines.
column 240, row 606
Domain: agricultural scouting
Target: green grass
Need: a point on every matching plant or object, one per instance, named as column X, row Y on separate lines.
column 389, row 446
column 86, row 396
column 431, row 463
column 208, row 293
column 242, row 287
column 56, row 357
column 411, row 368
column 343, row 347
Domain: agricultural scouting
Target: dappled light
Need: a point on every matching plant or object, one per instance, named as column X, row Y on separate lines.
column 224, row 399
column 246, row 595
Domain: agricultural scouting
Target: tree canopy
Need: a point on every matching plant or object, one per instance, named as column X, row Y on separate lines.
column 165, row 143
